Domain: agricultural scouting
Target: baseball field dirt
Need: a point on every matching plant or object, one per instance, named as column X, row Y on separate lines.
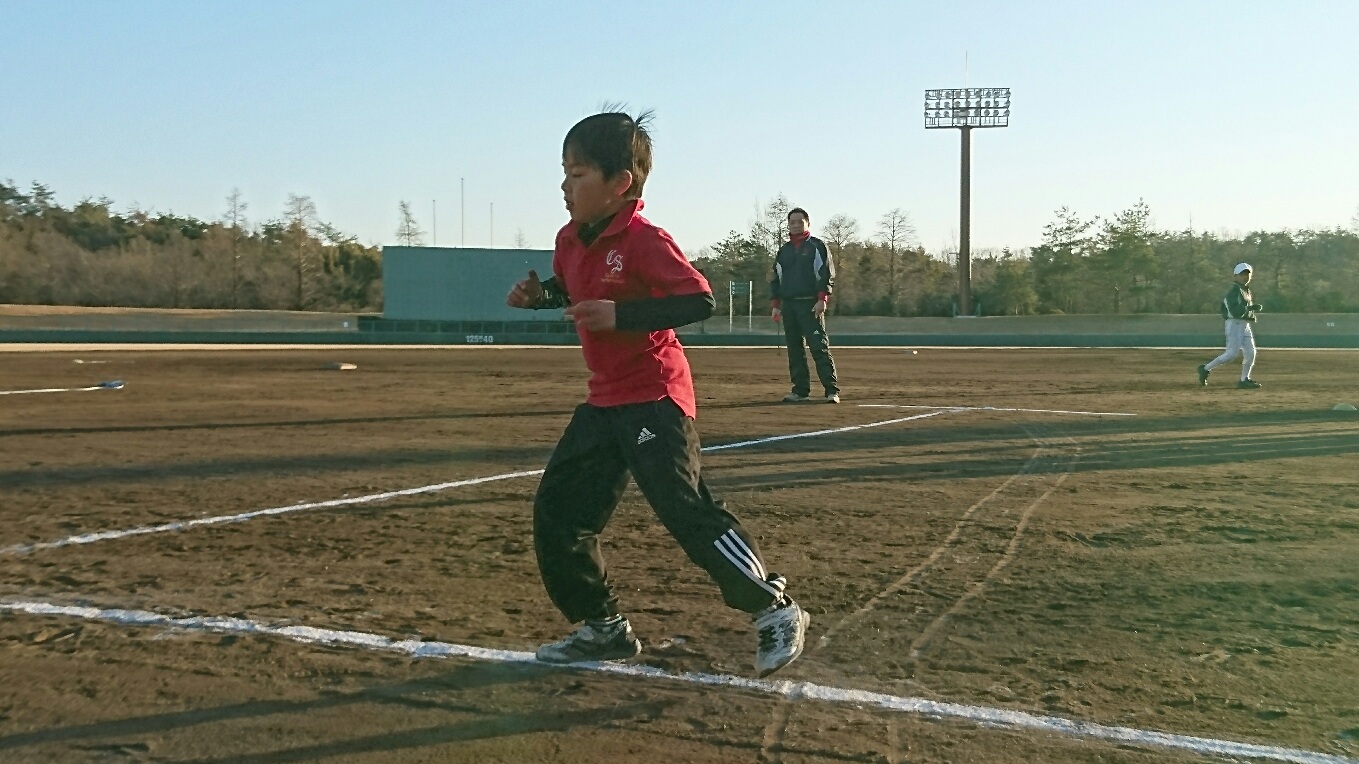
column 1075, row 554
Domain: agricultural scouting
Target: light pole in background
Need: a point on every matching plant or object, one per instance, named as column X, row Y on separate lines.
column 966, row 108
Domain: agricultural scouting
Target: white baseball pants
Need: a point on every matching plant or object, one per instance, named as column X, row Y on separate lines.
column 1240, row 339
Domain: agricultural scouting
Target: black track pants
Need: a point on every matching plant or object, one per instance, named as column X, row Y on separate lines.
column 798, row 325
column 584, row 481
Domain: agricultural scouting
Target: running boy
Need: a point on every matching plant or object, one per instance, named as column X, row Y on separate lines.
column 626, row 284
column 1239, row 311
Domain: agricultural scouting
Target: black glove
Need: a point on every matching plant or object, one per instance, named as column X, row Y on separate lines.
column 1257, row 307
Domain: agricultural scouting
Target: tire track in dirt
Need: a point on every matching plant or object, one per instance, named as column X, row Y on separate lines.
column 964, row 565
column 927, row 634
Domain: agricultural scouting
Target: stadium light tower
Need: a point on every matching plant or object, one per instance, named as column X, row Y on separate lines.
column 966, row 108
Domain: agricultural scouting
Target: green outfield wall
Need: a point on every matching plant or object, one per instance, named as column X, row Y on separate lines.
column 530, row 328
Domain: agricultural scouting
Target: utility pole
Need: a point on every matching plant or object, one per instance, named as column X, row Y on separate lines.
column 434, row 220
column 492, row 225
column 462, row 188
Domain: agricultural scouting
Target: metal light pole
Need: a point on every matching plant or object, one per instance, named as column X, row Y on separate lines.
column 964, row 109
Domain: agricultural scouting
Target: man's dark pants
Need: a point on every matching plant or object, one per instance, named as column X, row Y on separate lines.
column 799, row 326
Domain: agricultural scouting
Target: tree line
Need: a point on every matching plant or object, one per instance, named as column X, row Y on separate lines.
column 1122, row 264
column 91, row 255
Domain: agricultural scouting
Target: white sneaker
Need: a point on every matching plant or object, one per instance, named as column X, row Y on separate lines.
column 833, row 398
column 593, row 643
column 794, row 398
column 782, row 630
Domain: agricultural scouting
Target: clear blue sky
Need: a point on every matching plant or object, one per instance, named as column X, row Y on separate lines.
column 1239, row 115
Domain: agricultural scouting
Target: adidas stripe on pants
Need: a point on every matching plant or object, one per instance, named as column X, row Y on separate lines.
column 586, row 477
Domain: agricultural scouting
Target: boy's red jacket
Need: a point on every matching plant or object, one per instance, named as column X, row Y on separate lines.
column 631, row 260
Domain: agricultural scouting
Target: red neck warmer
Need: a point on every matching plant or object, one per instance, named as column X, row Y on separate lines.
column 798, row 238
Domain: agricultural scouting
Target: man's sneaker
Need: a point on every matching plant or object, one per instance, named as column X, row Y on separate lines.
column 1248, row 384
column 1203, row 375
column 794, row 398
column 833, row 398
column 592, row 642
column 782, row 629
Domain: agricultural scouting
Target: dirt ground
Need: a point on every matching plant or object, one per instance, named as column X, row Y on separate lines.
column 1193, row 569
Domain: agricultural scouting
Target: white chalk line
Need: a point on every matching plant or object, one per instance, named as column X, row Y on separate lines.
column 993, row 408
column 985, row 715
column 179, row 525
column 775, row 438
column 101, row 386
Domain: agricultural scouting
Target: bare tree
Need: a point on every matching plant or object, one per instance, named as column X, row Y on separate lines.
column 839, row 232
column 897, row 234
column 771, row 224
column 520, row 240
column 300, row 214
column 408, row 230
column 235, row 221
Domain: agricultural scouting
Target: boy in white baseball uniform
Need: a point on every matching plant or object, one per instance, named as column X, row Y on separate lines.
column 1238, row 309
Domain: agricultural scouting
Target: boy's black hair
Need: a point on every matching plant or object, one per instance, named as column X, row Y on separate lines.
column 613, row 141
column 800, row 211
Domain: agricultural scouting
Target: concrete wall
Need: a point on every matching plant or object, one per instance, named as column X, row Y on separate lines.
column 459, row 284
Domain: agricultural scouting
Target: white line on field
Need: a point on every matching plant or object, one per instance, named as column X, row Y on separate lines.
column 815, row 433
column 90, row 538
column 992, row 408
column 984, row 715
column 100, row 386
column 179, row 525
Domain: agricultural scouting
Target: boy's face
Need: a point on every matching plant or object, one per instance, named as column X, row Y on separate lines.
column 1243, row 278
column 796, row 225
column 590, row 197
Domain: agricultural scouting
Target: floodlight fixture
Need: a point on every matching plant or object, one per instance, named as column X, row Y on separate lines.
column 967, row 107
column 964, row 109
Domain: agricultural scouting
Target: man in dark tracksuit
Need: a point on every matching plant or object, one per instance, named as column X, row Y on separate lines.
column 800, row 290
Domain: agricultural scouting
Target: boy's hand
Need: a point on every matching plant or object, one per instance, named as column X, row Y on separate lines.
column 819, row 309
column 1257, row 307
column 774, row 314
column 594, row 315
column 526, row 293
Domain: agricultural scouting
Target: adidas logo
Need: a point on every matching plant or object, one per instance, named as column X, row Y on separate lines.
column 645, row 435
